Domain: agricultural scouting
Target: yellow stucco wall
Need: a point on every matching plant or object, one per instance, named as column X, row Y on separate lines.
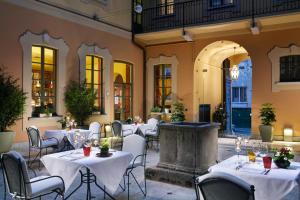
column 16, row 20
column 258, row 46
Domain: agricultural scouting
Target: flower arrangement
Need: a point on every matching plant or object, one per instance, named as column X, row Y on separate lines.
column 282, row 158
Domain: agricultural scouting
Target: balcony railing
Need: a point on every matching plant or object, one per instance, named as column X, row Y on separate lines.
column 201, row 12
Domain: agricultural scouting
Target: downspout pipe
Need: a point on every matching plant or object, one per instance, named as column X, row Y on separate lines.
column 144, row 61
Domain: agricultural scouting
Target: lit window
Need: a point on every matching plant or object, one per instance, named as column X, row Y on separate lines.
column 239, row 94
column 166, row 7
column 290, row 68
column 43, row 80
column 218, row 3
column 94, row 80
column 163, row 86
column 122, row 90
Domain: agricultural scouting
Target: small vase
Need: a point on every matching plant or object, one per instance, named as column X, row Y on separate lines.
column 282, row 163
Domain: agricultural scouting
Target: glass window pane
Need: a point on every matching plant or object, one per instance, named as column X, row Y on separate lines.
column 48, row 68
column 235, row 94
column 97, row 63
column 36, row 67
column 88, row 76
column 88, row 62
column 36, row 54
column 48, row 56
column 97, row 77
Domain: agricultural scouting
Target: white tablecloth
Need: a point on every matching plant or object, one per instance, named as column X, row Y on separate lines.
column 109, row 171
column 278, row 184
column 60, row 134
column 132, row 128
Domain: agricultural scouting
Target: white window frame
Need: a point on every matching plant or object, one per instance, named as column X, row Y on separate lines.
column 27, row 40
column 274, row 56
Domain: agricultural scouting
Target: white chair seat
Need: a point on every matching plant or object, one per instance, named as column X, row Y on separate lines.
column 44, row 186
column 48, row 143
column 151, row 133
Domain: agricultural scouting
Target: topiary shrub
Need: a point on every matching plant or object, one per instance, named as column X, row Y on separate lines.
column 79, row 101
column 178, row 112
column 12, row 100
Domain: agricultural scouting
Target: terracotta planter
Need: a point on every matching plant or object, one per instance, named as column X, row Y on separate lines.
column 6, row 141
column 266, row 133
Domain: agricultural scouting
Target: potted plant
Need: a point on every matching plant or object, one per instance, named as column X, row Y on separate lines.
column 79, row 101
column 178, row 112
column 104, row 149
column 282, row 158
column 267, row 116
column 156, row 112
column 12, row 106
column 219, row 116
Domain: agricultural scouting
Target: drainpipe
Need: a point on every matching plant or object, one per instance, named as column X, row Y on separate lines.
column 144, row 60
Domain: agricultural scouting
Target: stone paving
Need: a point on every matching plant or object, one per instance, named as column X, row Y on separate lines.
column 155, row 190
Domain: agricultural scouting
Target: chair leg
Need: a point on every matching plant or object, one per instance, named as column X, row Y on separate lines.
column 128, row 186
column 3, row 176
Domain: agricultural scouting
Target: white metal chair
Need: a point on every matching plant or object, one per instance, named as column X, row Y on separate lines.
column 136, row 145
column 223, row 186
column 152, row 133
column 20, row 186
column 95, row 128
column 36, row 142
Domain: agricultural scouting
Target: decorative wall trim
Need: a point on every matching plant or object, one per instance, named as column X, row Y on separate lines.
column 274, row 56
column 56, row 12
column 150, row 77
column 84, row 50
column 28, row 39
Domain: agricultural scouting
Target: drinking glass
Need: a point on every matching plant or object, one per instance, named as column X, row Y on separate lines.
column 86, row 150
column 238, row 143
column 267, row 160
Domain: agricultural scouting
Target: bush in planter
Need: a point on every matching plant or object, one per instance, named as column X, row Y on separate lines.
column 156, row 109
column 12, row 106
column 79, row 101
column 268, row 117
column 219, row 116
column 178, row 112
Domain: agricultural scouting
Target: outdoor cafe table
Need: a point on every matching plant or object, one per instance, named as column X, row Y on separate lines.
column 277, row 184
column 108, row 171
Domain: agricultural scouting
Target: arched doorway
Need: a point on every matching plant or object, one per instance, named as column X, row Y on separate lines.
column 216, row 93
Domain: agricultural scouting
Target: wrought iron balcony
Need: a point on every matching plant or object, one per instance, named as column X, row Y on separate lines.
column 201, row 12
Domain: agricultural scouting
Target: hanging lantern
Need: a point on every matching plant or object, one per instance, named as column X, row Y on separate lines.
column 234, row 73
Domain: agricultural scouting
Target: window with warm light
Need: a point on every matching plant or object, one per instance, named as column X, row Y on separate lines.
column 43, row 80
column 122, row 90
column 94, row 80
column 166, row 7
column 163, row 86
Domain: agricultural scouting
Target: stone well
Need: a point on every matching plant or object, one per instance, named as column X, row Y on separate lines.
column 186, row 150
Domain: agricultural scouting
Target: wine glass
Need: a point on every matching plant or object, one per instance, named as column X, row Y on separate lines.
column 256, row 148
column 238, row 143
column 264, row 149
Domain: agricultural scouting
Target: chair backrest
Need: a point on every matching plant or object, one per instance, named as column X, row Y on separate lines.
column 117, row 128
column 223, row 186
column 95, row 128
column 136, row 145
column 152, row 122
column 16, row 174
column 33, row 136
